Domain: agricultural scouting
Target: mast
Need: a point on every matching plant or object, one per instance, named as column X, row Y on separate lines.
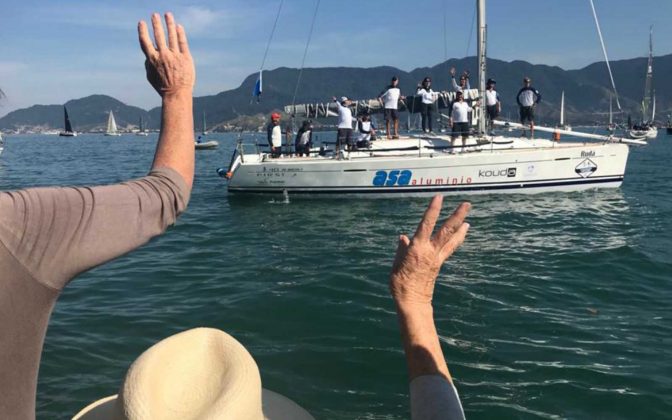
column 203, row 122
column 648, row 85
column 611, row 115
column 562, row 109
column 481, row 63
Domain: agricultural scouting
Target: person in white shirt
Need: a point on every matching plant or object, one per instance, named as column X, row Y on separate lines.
column 492, row 105
column 427, row 105
column 464, row 81
column 459, row 120
column 390, row 99
column 274, row 135
column 344, row 131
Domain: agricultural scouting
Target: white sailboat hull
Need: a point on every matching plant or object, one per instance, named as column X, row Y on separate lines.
column 569, row 167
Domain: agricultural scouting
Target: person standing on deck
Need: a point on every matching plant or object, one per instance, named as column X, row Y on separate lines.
column 528, row 97
column 492, row 104
column 304, row 139
column 390, row 99
column 344, row 133
column 459, row 120
column 427, row 105
column 464, row 81
column 274, row 135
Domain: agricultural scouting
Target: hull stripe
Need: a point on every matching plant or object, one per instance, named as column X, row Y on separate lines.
column 512, row 185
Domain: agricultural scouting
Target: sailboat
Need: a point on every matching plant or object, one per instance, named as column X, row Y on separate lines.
column 201, row 143
column 426, row 164
column 2, row 144
column 111, row 126
column 68, row 131
column 562, row 125
column 647, row 129
column 141, row 131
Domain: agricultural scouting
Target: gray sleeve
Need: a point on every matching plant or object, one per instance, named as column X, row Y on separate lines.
column 433, row 397
column 57, row 233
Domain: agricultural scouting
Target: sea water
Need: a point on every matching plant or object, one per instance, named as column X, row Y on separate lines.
column 556, row 306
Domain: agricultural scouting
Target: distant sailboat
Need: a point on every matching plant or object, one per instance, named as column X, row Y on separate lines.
column 563, row 126
column 2, row 144
column 142, row 131
column 201, row 142
column 611, row 127
column 111, row 126
column 647, row 128
column 68, row 132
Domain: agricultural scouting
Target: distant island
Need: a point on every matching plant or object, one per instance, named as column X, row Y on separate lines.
column 587, row 95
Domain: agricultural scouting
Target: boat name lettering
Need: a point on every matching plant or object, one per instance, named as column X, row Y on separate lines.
column 494, row 173
column 392, row 178
column 442, row 181
column 589, row 153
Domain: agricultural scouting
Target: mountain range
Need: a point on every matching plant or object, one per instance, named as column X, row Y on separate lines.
column 587, row 93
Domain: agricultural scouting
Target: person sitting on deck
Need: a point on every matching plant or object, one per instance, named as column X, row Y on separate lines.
column 464, row 81
column 366, row 132
column 48, row 236
column 274, row 135
column 344, row 132
column 304, row 139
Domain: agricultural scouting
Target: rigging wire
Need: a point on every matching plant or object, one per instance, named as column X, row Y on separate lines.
column 471, row 32
column 445, row 31
column 305, row 53
column 270, row 38
column 604, row 51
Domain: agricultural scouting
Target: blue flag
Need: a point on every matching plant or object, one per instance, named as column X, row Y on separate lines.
column 257, row 88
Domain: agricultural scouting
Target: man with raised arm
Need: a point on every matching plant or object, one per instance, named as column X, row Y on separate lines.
column 416, row 265
column 48, row 236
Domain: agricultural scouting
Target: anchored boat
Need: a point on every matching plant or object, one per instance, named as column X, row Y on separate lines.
column 429, row 164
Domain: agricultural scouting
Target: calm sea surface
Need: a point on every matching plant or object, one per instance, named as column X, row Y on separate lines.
column 557, row 305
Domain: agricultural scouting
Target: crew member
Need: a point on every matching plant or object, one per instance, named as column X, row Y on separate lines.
column 427, row 105
column 344, row 133
column 527, row 98
column 390, row 99
column 274, row 135
column 304, row 139
column 492, row 104
column 464, row 81
column 459, row 120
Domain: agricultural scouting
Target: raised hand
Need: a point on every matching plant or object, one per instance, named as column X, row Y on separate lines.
column 418, row 260
column 170, row 68
column 452, row 71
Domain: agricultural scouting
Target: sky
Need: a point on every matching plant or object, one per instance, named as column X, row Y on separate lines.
column 53, row 51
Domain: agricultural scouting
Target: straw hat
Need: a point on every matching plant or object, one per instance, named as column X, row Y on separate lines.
column 202, row 373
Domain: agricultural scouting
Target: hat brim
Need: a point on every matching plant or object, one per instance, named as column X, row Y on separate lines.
column 274, row 406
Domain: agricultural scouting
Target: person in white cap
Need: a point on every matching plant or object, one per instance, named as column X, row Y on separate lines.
column 416, row 265
column 202, row 373
column 48, row 236
column 344, row 130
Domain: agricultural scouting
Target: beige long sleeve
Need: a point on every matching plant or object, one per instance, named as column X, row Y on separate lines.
column 50, row 235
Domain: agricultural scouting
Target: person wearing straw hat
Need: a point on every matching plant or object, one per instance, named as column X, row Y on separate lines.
column 202, row 373
column 48, row 236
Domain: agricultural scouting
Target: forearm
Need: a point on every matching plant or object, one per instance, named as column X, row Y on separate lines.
column 421, row 341
column 176, row 142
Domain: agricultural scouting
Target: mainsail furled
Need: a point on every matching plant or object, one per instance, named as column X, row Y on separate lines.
column 373, row 106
